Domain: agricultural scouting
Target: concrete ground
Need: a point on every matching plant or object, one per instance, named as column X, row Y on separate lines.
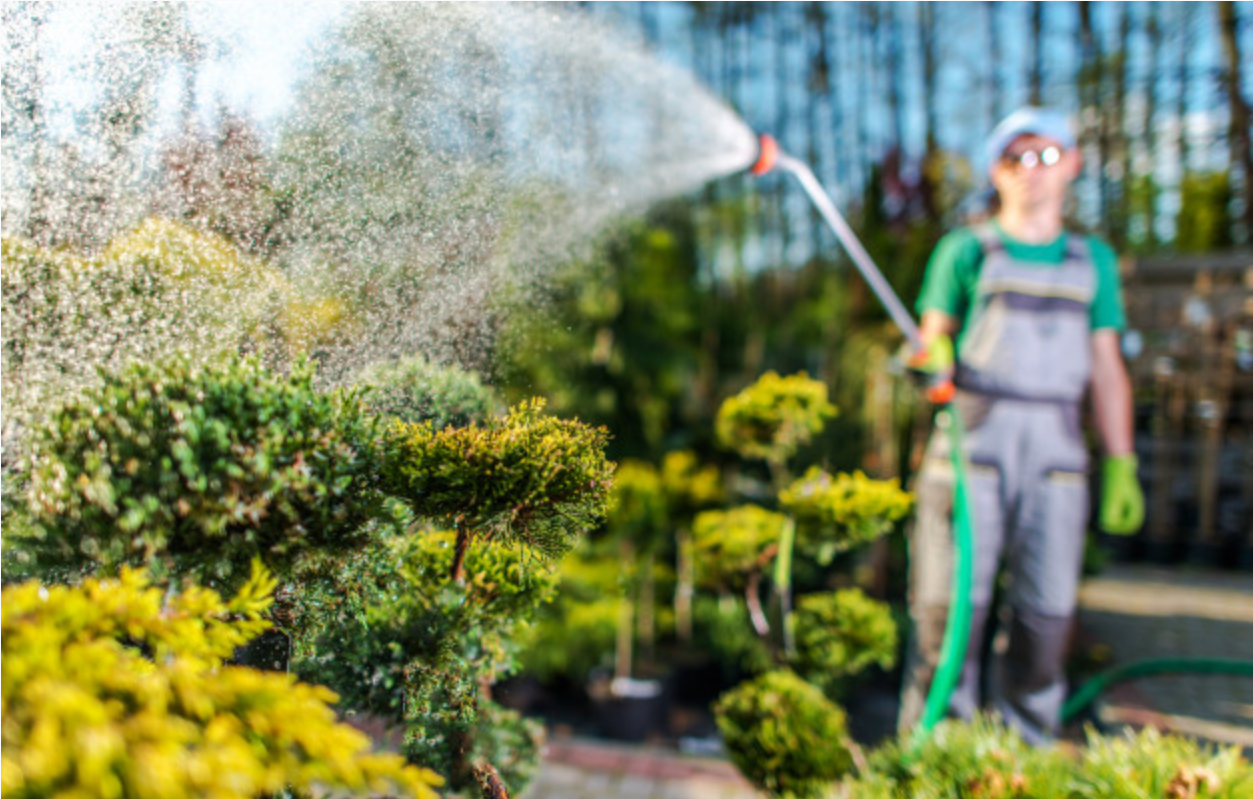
column 1127, row 613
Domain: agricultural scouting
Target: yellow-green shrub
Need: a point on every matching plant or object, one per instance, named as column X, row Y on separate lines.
column 110, row 692
column 840, row 634
column 837, row 513
column 784, row 736
column 774, row 417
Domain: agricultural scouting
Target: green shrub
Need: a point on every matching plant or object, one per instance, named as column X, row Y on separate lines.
column 525, row 478
column 730, row 546
column 784, row 736
column 415, row 390
column 199, row 468
column 840, row 634
column 984, row 759
column 773, row 418
column 1149, row 763
column 87, row 714
column 837, row 513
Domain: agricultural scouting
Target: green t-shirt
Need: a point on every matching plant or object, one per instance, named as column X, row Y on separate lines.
column 953, row 272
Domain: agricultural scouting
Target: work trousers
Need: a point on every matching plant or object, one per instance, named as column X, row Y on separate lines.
column 1026, row 473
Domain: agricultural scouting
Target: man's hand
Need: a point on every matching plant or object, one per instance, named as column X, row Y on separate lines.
column 1122, row 502
column 932, row 367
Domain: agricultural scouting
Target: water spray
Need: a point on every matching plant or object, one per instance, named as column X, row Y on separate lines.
column 957, row 627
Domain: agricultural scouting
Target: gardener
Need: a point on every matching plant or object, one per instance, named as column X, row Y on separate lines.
column 1035, row 312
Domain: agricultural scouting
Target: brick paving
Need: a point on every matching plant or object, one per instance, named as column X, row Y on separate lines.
column 1127, row 613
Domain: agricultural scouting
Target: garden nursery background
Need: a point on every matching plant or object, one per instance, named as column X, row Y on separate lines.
column 447, row 356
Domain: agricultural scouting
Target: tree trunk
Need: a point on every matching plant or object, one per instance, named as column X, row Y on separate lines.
column 1037, row 53
column 1238, row 130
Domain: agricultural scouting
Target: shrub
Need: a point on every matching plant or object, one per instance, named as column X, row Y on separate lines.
column 985, row 759
column 837, row 513
column 415, row 390
column 198, row 469
column 730, row 546
column 840, row 634
column 87, row 714
column 784, row 736
column 773, row 418
column 162, row 288
column 1148, row 763
column 525, row 478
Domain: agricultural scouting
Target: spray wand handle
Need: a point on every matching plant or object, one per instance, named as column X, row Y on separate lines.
column 852, row 245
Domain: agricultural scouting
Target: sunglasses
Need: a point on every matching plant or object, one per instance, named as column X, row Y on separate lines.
column 1030, row 159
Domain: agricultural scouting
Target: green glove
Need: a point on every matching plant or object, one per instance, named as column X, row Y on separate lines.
column 1122, row 503
column 932, row 367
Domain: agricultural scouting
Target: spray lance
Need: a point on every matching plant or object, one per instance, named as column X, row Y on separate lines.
column 940, row 392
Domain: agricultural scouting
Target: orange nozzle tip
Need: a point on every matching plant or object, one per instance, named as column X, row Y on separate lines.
column 941, row 394
column 768, row 153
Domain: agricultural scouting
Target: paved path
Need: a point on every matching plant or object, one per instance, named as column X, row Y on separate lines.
column 1127, row 613
column 1130, row 613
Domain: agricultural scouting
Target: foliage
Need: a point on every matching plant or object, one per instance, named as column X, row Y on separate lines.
column 837, row 513
column 199, row 468
column 1148, row 763
column 417, row 648
column 575, row 633
column 638, row 507
column 840, row 634
column 774, row 417
column 723, row 629
column 415, row 390
column 784, row 736
column 87, row 714
column 161, row 290
column 729, row 545
column 984, row 759
column 689, row 487
column 526, row 478
column 1204, row 223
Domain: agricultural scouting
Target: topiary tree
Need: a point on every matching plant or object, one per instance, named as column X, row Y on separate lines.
column 733, row 548
column 117, row 689
column 525, row 478
column 832, row 636
column 518, row 490
column 784, row 735
column 840, row 634
column 773, row 418
column 635, row 522
column 836, row 513
column 195, row 470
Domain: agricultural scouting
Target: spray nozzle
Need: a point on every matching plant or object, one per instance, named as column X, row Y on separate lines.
column 767, row 154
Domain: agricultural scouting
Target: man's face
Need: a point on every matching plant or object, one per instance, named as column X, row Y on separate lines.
column 1034, row 171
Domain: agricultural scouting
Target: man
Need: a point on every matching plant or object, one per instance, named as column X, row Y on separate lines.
column 1035, row 312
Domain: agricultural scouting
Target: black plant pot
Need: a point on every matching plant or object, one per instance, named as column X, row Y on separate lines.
column 631, row 710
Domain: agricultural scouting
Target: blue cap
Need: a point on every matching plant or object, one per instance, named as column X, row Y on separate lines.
column 1029, row 120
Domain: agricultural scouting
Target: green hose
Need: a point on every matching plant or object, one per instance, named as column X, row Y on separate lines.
column 1083, row 697
column 957, row 627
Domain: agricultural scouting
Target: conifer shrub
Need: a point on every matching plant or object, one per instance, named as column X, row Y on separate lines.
column 109, row 690
column 525, row 478
column 196, row 469
column 774, row 417
column 416, row 390
column 835, row 513
column 840, row 634
column 784, row 736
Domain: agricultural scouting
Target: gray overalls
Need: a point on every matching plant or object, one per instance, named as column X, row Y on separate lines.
column 1021, row 373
